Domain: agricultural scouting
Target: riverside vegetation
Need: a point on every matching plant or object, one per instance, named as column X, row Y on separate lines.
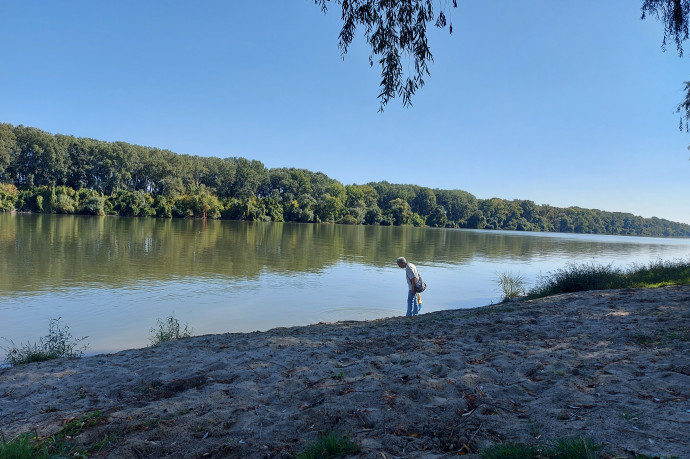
column 579, row 278
column 59, row 342
column 586, row 277
column 46, row 173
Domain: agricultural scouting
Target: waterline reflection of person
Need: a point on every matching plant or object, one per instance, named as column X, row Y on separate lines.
column 411, row 275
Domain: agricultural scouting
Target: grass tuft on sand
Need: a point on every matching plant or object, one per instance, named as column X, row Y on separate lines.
column 329, row 445
column 563, row 448
column 58, row 343
column 169, row 330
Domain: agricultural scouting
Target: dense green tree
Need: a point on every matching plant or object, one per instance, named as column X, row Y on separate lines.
column 250, row 176
column 274, row 209
column 424, row 201
column 373, row 216
column 476, row 221
column 458, row 204
column 329, row 209
column 219, row 174
column 79, row 161
column 388, row 192
column 36, row 160
column 8, row 144
column 361, row 196
column 400, row 211
column 495, row 211
column 437, row 218
column 95, row 177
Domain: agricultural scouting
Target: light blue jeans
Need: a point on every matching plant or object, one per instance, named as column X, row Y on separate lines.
column 411, row 304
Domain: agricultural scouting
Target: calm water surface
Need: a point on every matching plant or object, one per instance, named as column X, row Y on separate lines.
column 111, row 278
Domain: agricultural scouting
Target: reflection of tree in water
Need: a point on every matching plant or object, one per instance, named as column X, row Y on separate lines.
column 53, row 251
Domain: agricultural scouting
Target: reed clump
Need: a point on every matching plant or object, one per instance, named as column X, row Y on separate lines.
column 169, row 330
column 584, row 277
column 511, row 285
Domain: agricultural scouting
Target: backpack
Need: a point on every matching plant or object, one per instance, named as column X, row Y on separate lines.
column 420, row 286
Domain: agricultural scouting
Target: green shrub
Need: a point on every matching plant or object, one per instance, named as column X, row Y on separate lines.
column 8, row 197
column 64, row 204
column 93, row 205
column 417, row 220
column 274, row 210
column 58, row 343
column 133, row 204
column 348, row 220
column 39, row 203
column 373, row 216
column 169, row 330
column 199, row 203
column 329, row 445
column 163, row 207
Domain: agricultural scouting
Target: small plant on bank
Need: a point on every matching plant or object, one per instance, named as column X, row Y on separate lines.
column 20, row 447
column 563, row 448
column 329, row 445
column 169, row 330
column 58, row 343
column 511, row 285
column 30, row 446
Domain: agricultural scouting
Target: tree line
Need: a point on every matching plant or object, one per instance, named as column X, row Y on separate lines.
column 42, row 172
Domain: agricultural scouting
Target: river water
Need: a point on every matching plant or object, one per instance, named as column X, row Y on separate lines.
column 112, row 278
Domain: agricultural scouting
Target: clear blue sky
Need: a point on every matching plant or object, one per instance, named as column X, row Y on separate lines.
column 564, row 103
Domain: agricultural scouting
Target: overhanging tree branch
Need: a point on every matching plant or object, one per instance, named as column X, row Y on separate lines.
column 393, row 29
column 675, row 15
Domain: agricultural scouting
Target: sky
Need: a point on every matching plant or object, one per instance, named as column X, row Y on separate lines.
column 561, row 103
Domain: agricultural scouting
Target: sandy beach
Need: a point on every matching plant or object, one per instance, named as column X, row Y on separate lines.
column 609, row 365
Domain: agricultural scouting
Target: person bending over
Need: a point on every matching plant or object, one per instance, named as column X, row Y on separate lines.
column 411, row 275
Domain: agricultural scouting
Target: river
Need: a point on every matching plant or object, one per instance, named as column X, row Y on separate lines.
column 112, row 278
